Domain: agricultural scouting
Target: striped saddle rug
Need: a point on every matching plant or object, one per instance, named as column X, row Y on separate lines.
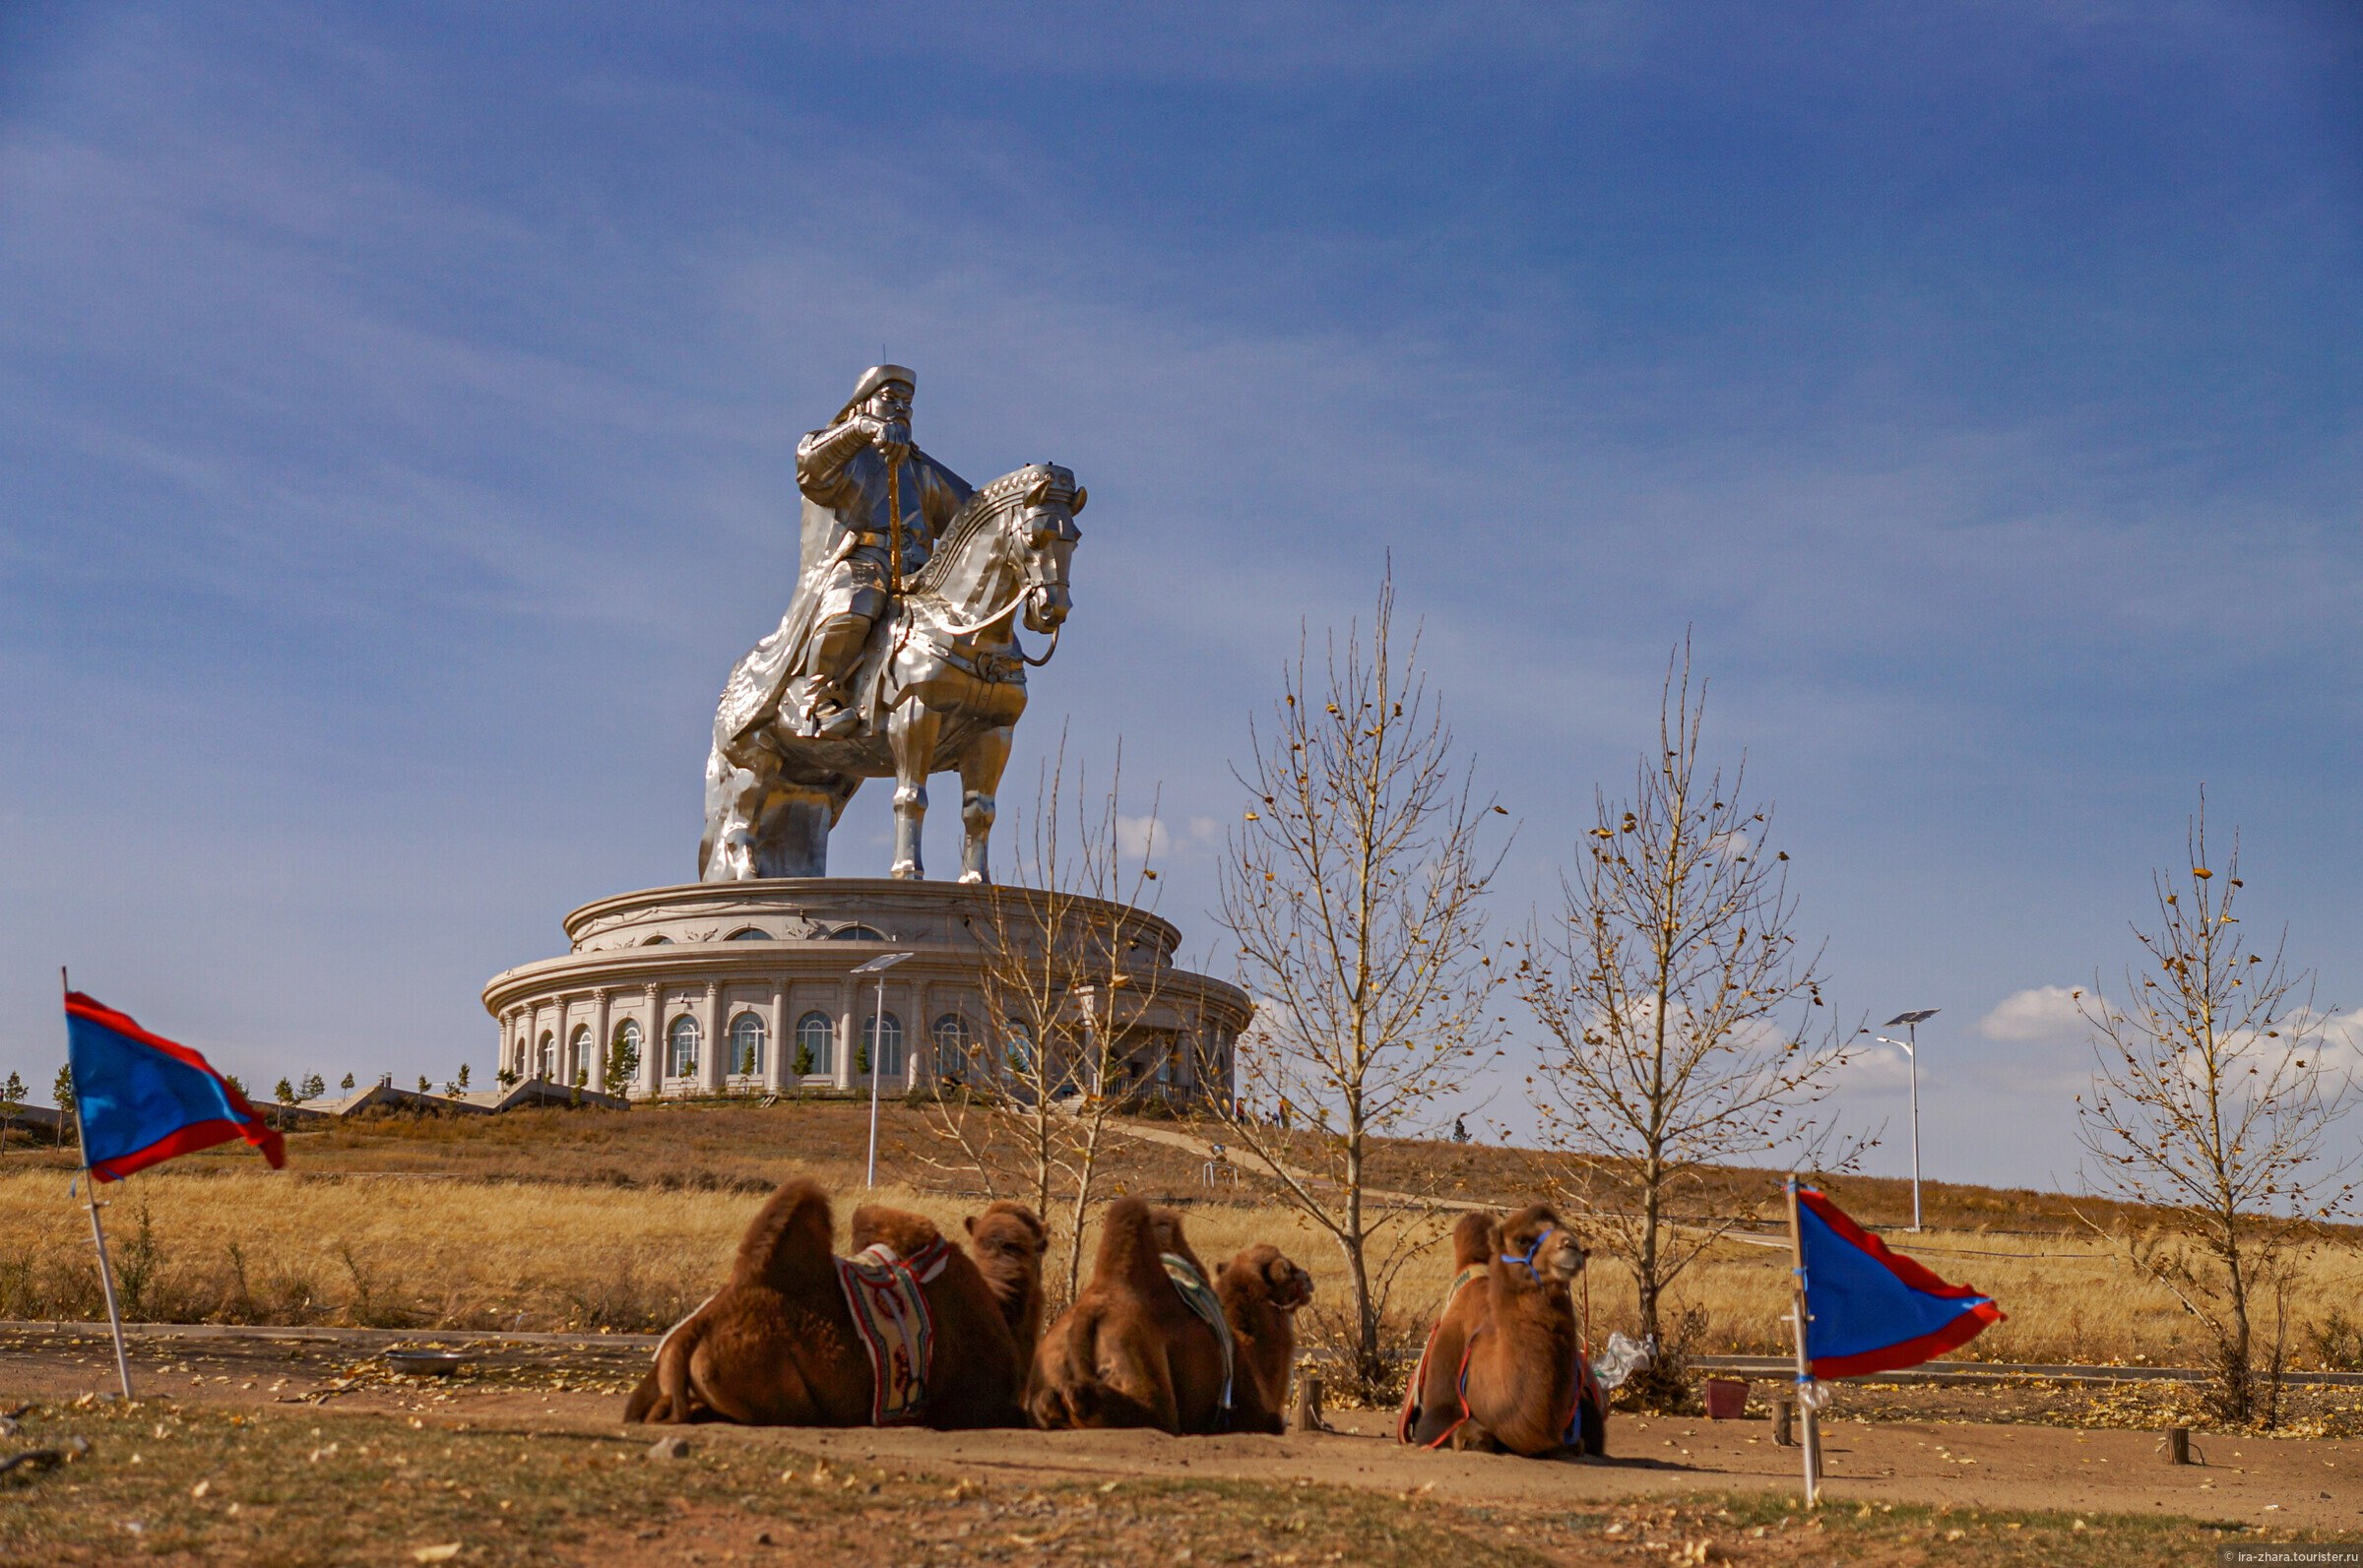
column 1200, row 1298
column 891, row 1319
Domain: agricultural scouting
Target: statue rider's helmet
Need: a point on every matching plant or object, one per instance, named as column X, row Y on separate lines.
column 873, row 381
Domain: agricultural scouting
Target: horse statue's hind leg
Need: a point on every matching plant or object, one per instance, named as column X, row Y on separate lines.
column 980, row 780
column 913, row 729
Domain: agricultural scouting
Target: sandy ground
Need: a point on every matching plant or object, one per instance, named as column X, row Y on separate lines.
column 2309, row 1485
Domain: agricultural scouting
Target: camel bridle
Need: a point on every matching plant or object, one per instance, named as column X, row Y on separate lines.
column 1526, row 1261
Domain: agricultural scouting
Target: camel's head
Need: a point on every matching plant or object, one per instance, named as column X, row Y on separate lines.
column 1010, row 1235
column 1166, row 1226
column 1265, row 1271
column 1535, row 1241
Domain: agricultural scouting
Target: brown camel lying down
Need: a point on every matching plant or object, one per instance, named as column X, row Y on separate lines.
column 1132, row 1352
column 777, row 1346
column 1431, row 1402
column 1260, row 1291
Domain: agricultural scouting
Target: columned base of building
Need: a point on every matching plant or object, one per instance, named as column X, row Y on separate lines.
column 748, row 987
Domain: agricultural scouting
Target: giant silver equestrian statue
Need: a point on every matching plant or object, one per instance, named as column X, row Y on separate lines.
column 898, row 655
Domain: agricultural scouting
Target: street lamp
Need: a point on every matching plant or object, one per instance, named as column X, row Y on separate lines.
column 1910, row 1043
column 877, row 1039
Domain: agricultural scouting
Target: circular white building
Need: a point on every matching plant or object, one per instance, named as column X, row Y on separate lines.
column 747, row 986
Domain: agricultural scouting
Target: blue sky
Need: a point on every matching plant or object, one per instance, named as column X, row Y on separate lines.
column 397, row 411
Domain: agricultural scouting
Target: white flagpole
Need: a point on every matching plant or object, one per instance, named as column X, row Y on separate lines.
column 89, row 1193
column 1809, row 1433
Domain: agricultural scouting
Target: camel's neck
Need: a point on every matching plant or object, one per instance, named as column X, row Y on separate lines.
column 1018, row 1290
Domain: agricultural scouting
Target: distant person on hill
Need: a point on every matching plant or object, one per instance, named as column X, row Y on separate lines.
column 1460, row 1131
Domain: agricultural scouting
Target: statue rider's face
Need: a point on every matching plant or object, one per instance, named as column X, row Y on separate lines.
column 891, row 402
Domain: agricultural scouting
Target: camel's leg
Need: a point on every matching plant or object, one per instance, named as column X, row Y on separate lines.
column 913, row 729
column 980, row 780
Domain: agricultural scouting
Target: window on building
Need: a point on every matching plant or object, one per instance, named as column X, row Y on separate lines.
column 623, row 1054
column 658, row 941
column 747, row 1045
column 856, row 933
column 815, row 1040
column 581, row 1050
column 882, row 1043
column 748, row 934
column 545, row 1060
column 954, row 1043
column 681, row 1041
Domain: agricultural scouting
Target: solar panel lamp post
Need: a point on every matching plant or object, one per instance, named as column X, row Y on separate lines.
column 877, row 1042
column 1910, row 1046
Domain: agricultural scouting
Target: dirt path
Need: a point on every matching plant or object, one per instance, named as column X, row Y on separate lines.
column 1257, row 1164
column 2304, row 1484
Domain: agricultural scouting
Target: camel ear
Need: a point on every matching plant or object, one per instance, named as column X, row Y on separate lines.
column 1083, row 494
column 1040, row 493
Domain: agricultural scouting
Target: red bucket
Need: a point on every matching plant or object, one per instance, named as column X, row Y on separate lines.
column 1726, row 1399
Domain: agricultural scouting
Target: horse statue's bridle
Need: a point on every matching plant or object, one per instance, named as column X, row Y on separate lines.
column 1020, row 529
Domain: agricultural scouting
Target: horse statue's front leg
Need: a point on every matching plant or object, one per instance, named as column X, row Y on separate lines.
column 913, row 729
column 980, row 783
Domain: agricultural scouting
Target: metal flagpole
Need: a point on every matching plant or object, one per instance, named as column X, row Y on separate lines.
column 1810, row 1432
column 89, row 1193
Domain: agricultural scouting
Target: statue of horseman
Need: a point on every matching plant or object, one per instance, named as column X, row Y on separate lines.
column 874, row 504
column 898, row 655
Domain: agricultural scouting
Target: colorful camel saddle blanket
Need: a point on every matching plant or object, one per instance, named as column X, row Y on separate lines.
column 1199, row 1297
column 1409, row 1416
column 892, row 1321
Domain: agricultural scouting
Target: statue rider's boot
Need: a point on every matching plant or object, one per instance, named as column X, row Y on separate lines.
column 828, row 710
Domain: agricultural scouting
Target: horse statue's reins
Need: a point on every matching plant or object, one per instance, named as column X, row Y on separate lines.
column 1025, row 589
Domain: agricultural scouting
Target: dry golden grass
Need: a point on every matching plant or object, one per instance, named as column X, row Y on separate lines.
column 603, row 1223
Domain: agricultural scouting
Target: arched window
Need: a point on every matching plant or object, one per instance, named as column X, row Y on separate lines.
column 748, row 934
column 955, row 1044
column 581, row 1051
column 856, row 933
column 815, row 1038
column 658, row 941
column 680, row 1047
column 1017, row 1045
column 747, row 1045
column 883, row 1045
column 623, row 1054
column 953, row 1039
column 545, row 1060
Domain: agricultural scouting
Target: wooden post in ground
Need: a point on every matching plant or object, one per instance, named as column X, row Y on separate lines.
column 2178, row 1445
column 1309, row 1405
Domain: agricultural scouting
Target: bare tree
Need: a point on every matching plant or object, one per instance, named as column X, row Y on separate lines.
column 2212, row 1101
column 1687, row 1023
column 1353, row 888
column 1071, row 970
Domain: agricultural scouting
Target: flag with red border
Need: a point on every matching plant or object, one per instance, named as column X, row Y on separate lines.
column 142, row 1099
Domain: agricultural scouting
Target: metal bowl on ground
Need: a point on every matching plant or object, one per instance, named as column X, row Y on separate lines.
column 426, row 1363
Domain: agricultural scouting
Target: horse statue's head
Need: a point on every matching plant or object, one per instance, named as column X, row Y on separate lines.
column 1010, row 549
column 1044, row 530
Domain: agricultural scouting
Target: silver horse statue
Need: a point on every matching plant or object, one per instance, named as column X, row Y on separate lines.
column 940, row 687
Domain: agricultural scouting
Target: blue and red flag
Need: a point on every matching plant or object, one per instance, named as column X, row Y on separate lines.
column 1870, row 1310
column 144, row 1099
